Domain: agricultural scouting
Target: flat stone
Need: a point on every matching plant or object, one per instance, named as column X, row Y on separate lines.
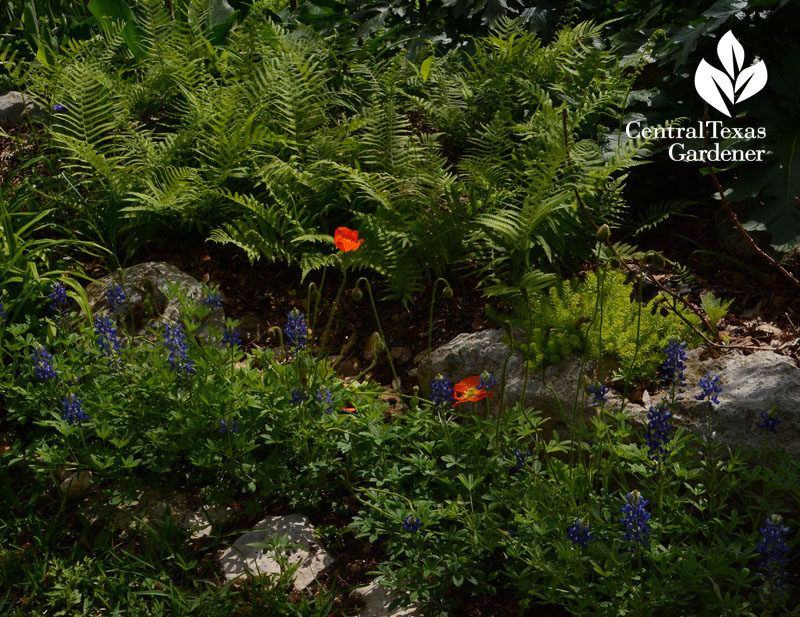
column 16, row 108
column 153, row 505
column 377, row 599
column 75, row 483
column 313, row 558
column 750, row 384
column 147, row 287
column 472, row 354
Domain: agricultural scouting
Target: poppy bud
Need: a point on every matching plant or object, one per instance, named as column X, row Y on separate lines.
column 447, row 292
column 603, row 233
column 615, row 263
column 659, row 261
column 357, row 294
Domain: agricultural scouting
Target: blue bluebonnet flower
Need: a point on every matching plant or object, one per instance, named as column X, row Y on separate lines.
column 325, row 399
column 487, row 381
column 2, row 312
column 106, row 332
column 296, row 330
column 43, row 364
column 774, row 553
column 441, row 392
column 658, row 429
column 231, row 337
column 521, row 458
column 412, row 526
column 73, row 410
column 58, row 297
column 580, row 533
column 175, row 342
column 598, row 390
column 298, row 396
column 769, row 422
column 213, row 299
column 224, row 428
column 116, row 298
column 635, row 518
column 711, row 387
column 59, row 108
column 675, row 364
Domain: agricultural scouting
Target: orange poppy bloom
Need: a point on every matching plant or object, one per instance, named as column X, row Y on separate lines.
column 467, row 391
column 346, row 239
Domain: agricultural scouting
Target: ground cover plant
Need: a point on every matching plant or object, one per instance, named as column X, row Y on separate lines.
column 377, row 166
column 614, row 519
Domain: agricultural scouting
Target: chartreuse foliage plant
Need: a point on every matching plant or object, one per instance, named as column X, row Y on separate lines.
column 565, row 319
column 275, row 139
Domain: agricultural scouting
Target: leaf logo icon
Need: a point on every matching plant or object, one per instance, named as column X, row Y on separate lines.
column 735, row 83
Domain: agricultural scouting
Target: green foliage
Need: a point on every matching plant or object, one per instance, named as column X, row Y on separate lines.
column 673, row 37
column 35, row 250
column 278, row 138
column 493, row 522
column 567, row 319
column 715, row 308
column 415, row 23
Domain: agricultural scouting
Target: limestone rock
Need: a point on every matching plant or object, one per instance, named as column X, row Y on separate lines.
column 377, row 599
column 75, row 483
column 147, row 286
column 313, row 558
column 472, row 354
column 15, row 108
column 154, row 505
column 750, row 384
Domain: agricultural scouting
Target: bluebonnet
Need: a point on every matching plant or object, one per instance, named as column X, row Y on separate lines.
column 411, row 526
column 43, row 364
column 774, row 552
column 325, row 399
column 658, row 429
column 213, row 299
column 635, row 518
column 116, row 298
column 487, row 381
column 57, row 296
column 106, row 332
column 675, row 364
column 2, row 311
column 231, row 337
column 59, row 108
column 223, row 428
column 711, row 387
column 296, row 330
column 73, row 410
column 769, row 422
column 441, row 392
column 580, row 533
column 598, row 390
column 298, row 396
column 521, row 458
column 175, row 342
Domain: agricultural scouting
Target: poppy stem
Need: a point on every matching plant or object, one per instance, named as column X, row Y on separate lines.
column 324, row 339
column 430, row 322
column 380, row 330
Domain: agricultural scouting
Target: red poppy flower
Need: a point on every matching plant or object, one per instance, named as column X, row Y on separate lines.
column 466, row 391
column 346, row 239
